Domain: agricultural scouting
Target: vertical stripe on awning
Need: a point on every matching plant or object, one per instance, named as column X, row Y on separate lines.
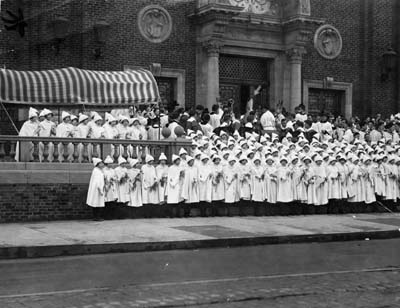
column 72, row 85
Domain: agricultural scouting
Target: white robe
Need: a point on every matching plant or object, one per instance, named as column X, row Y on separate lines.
column 271, row 183
column 121, row 174
column 95, row 196
column 190, row 188
column 321, row 185
column 332, row 173
column 162, row 177
column 244, row 182
column 111, row 189
column 135, row 188
column 368, row 174
column 174, row 184
column 284, row 187
column 231, row 184
column 150, row 194
column 218, row 187
column 28, row 129
column 257, row 184
column 357, row 184
column 205, row 183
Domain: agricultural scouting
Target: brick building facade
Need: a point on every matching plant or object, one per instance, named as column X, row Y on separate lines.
column 219, row 50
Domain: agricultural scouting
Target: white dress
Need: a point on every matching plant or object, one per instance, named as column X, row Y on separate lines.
column 271, row 185
column 244, row 182
column 162, row 176
column 150, row 194
column 284, row 187
column 190, row 187
column 173, row 184
column 257, row 184
column 135, row 188
column 111, row 193
column 218, row 187
column 121, row 174
column 205, row 183
column 95, row 196
column 231, row 184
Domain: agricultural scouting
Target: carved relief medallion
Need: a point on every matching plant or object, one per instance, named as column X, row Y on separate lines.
column 155, row 23
column 328, row 42
column 257, row 6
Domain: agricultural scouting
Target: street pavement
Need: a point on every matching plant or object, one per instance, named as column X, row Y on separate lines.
column 336, row 274
column 88, row 237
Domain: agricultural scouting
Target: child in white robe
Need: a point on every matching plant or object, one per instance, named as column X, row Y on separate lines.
column 391, row 181
column 356, row 182
column 135, row 184
column 333, row 180
column 190, row 189
column 175, row 173
column 205, row 185
column 368, row 174
column 162, row 176
column 257, row 181
column 271, row 180
column 95, row 196
column 218, row 188
column 299, row 189
column 150, row 193
column 111, row 193
column 244, row 178
column 379, row 177
column 121, row 174
column 231, row 181
column 284, row 182
column 321, row 187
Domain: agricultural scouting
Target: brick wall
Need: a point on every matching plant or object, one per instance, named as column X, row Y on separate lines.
column 27, row 202
column 367, row 28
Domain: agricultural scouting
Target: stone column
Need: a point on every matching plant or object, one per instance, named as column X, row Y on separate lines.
column 295, row 59
column 212, row 72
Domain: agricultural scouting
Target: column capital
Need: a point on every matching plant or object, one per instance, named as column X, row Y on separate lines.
column 212, row 47
column 295, row 54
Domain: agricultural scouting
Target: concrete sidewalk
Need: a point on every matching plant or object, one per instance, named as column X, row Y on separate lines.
column 45, row 239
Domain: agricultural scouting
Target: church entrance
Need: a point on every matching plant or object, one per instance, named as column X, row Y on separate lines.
column 239, row 77
column 326, row 101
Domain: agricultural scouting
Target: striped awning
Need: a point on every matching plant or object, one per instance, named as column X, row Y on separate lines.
column 76, row 86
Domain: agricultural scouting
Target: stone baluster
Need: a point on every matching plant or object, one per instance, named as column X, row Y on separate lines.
column 65, row 153
column 95, row 150
column 116, row 152
column 46, row 151
column 125, row 151
column 13, row 146
column 85, row 154
column 55, row 153
column 76, row 152
column 2, row 151
column 35, row 154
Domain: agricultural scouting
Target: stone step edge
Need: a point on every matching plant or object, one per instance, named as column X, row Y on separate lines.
column 105, row 248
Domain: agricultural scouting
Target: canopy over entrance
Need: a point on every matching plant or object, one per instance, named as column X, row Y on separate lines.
column 76, row 86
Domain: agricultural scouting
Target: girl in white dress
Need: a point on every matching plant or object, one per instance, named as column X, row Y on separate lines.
column 284, row 182
column 231, row 181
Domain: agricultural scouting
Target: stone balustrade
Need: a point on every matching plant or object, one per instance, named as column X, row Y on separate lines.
column 75, row 150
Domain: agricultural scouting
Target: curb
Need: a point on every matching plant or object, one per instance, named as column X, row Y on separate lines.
column 89, row 249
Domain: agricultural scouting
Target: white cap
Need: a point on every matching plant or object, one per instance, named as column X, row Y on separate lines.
column 162, row 157
column 182, row 151
column 82, row 117
column 32, row 113
column 96, row 161
column 46, row 112
column 149, row 158
column 64, row 115
column 132, row 161
column 73, row 117
column 121, row 160
column 175, row 157
column 108, row 160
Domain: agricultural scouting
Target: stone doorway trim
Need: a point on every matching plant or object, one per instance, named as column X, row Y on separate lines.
column 341, row 86
column 178, row 74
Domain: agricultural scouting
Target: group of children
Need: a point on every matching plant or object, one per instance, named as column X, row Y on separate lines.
column 262, row 171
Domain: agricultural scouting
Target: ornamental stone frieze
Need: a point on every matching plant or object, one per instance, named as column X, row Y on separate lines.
column 258, row 6
column 295, row 54
column 212, row 47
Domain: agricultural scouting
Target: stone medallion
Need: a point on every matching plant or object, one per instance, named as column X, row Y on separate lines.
column 155, row 23
column 328, row 41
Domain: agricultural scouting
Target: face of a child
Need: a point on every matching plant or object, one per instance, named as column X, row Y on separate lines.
column 177, row 162
column 269, row 162
column 318, row 162
column 243, row 162
column 232, row 163
column 163, row 162
column 217, row 161
column 205, row 161
column 257, row 162
column 191, row 163
column 283, row 163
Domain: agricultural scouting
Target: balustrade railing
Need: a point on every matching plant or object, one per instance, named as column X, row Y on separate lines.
column 76, row 150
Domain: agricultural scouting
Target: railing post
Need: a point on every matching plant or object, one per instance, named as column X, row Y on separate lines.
column 76, row 152
column 46, row 151
column 94, row 150
column 35, row 153
column 55, row 153
column 65, row 153
column 2, row 151
column 85, row 154
column 116, row 152
column 13, row 145
column 125, row 153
